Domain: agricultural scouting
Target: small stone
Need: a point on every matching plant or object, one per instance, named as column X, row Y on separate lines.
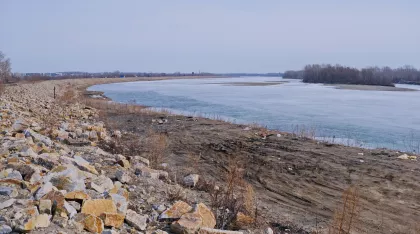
column 66, row 177
column 5, row 229
column 207, row 216
column 403, row 156
column 117, row 134
column 189, row 223
column 124, row 163
column 120, row 202
column 98, row 206
column 159, row 208
column 57, row 199
column 109, row 231
column 42, row 221
column 93, row 224
column 45, row 206
column 120, row 157
column 61, row 221
column 112, row 219
column 70, row 210
column 101, row 184
column 15, row 175
column 191, row 180
column 84, row 165
column 268, row 231
column 176, row 210
column 159, row 232
column 27, row 225
column 7, row 204
column 6, row 191
column 147, row 172
column 44, row 189
column 135, row 220
column 77, row 195
column 28, row 152
column 140, row 159
column 20, row 125
column 93, row 136
column 75, row 205
column 123, row 176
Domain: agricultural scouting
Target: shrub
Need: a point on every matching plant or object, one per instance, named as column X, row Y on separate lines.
column 176, row 193
column 346, row 216
column 235, row 197
column 156, row 145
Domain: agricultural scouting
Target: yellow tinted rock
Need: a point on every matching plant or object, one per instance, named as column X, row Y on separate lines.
column 42, row 221
column 93, row 224
column 176, row 211
column 98, row 206
column 77, row 195
column 113, row 219
column 29, row 225
column 206, row 215
column 188, row 224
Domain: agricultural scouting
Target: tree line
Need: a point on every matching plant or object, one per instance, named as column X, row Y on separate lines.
column 6, row 75
column 338, row 74
column 5, row 68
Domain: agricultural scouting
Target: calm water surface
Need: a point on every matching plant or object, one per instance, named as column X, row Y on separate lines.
column 365, row 118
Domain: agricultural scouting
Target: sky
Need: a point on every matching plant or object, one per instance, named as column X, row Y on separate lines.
column 208, row 36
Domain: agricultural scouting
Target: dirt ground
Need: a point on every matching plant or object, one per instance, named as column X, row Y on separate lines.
column 299, row 182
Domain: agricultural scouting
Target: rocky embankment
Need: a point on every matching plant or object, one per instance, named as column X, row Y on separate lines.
column 54, row 178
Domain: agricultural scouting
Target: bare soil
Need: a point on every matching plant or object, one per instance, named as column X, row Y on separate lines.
column 298, row 181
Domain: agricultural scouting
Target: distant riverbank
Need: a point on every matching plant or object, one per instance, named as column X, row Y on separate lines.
column 369, row 87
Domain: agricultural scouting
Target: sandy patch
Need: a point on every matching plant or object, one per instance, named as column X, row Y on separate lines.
column 267, row 83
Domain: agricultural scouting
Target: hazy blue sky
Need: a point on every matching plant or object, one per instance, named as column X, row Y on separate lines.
column 212, row 35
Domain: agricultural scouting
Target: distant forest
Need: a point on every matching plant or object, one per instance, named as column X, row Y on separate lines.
column 337, row 74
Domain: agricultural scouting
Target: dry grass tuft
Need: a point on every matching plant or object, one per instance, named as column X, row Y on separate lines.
column 346, row 217
column 68, row 96
column 176, row 193
column 235, row 197
column 156, row 145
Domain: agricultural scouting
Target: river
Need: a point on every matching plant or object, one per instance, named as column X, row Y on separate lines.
column 371, row 119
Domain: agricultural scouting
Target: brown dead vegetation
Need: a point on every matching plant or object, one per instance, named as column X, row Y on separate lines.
column 346, row 217
column 157, row 144
column 234, row 202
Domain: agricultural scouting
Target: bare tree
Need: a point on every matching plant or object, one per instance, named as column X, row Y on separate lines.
column 5, row 68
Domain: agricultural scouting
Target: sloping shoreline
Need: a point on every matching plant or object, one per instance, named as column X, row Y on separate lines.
column 292, row 174
column 298, row 181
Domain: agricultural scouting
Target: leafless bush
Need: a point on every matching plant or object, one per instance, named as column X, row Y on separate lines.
column 346, row 216
column 156, row 145
column 235, row 196
column 5, row 68
column 68, row 96
column 176, row 193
